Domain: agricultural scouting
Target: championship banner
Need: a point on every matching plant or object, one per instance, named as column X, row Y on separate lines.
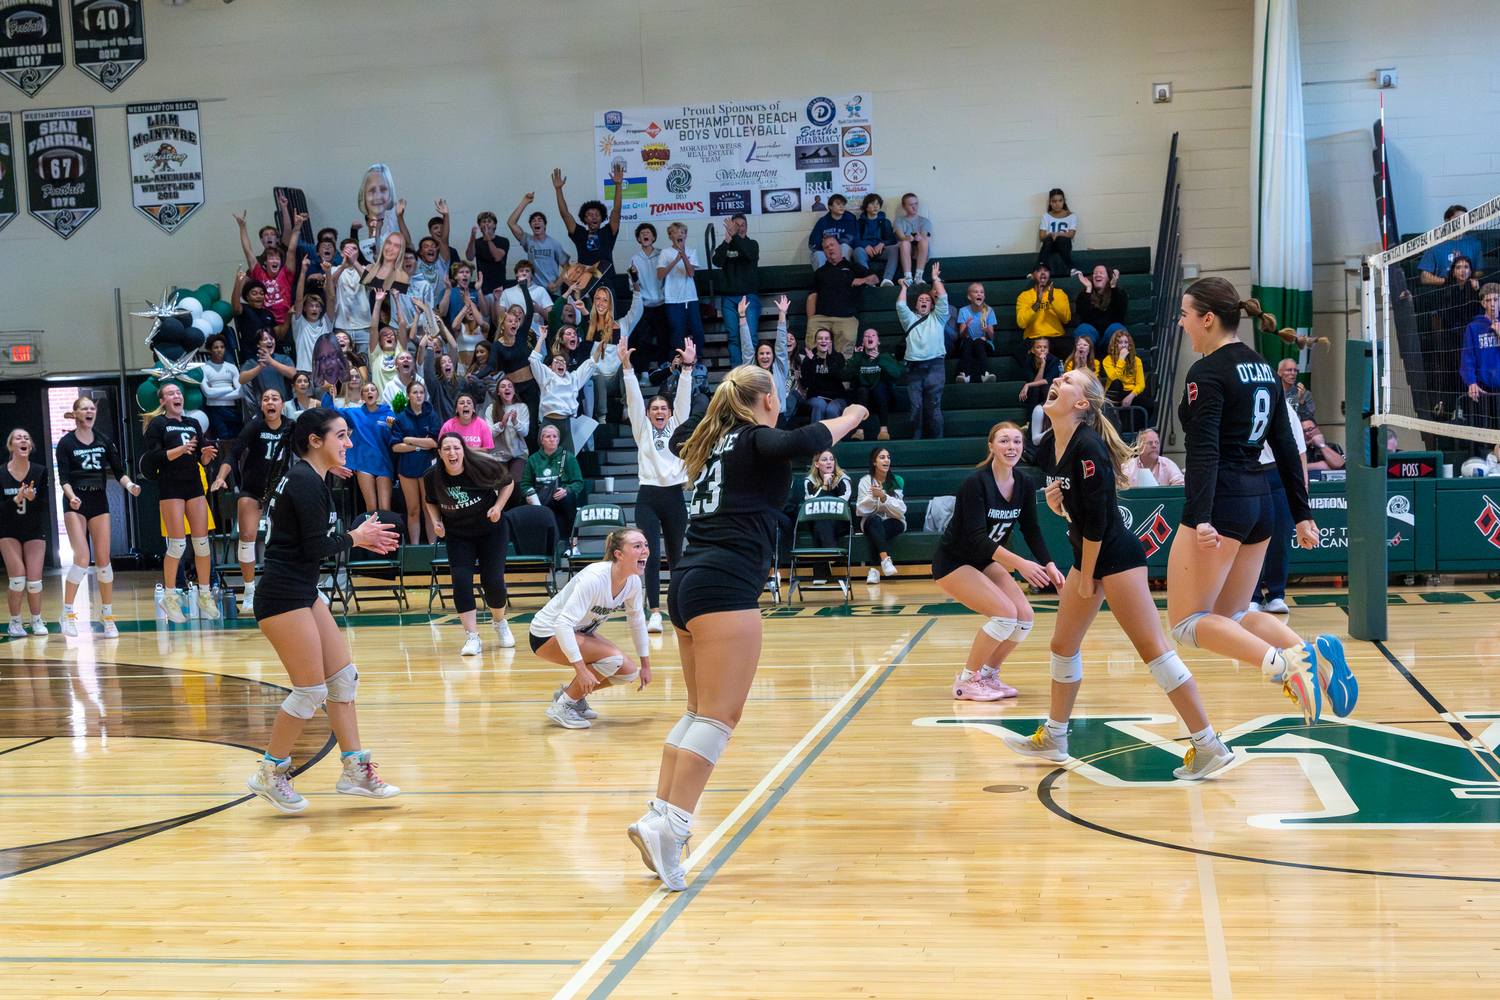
column 9, row 200
column 31, row 43
column 62, row 175
column 740, row 157
column 166, row 160
column 109, row 39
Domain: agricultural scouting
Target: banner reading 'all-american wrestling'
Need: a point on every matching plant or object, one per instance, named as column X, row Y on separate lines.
column 62, row 167
column 9, row 201
column 31, row 43
column 109, row 39
column 166, row 160
column 738, row 157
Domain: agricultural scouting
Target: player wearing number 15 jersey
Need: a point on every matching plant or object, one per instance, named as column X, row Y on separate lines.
column 1232, row 405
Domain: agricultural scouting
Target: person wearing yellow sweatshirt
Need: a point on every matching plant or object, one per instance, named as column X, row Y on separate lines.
column 1042, row 310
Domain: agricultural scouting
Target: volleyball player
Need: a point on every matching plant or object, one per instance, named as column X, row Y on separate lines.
column 83, row 457
column 465, row 494
column 304, row 532
column 23, row 529
column 1231, row 405
column 563, row 631
column 660, row 506
column 173, row 456
column 257, row 452
column 1082, row 456
column 973, row 566
column 741, row 468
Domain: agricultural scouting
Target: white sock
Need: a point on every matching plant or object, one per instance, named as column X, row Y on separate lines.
column 966, row 674
column 1203, row 737
column 1268, row 666
column 1056, row 729
column 679, row 820
column 15, row 619
column 67, row 609
column 106, row 610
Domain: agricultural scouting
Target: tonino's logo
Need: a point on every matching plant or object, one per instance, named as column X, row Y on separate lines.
column 1488, row 522
column 823, row 507
column 1156, row 532
column 677, row 207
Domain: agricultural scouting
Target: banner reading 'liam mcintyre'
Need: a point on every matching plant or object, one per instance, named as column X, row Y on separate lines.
column 62, row 167
column 736, row 157
column 166, row 160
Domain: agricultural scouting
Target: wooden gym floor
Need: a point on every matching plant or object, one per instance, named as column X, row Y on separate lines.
column 864, row 835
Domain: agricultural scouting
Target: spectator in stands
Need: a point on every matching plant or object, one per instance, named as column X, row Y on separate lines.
column 826, row 481
column 1438, row 259
column 1123, row 374
column 351, row 306
column 268, row 270
column 1042, row 369
column 1320, row 453
column 510, row 423
column 1297, row 395
column 309, row 321
column 975, row 343
column 1041, row 311
column 738, row 261
column 594, row 238
column 794, row 414
column 468, row 424
column 915, row 233
column 302, row 397
column 875, row 240
column 516, row 297
column 1393, row 443
column 1454, row 306
column 488, row 251
column 823, row 378
column 839, row 224
column 439, row 228
column 560, row 388
column 266, row 369
column 552, row 480
column 881, row 508
column 676, row 267
column 407, row 374
column 651, row 338
column 429, row 277
column 834, row 302
column 1058, row 229
column 925, row 367
column 1269, row 594
column 391, row 273
column 247, row 301
column 1162, row 470
column 370, row 452
column 221, row 391
column 1083, row 356
column 1100, row 305
column 465, row 309
column 344, row 397
column 1480, row 366
column 414, row 435
column 769, row 354
column 547, row 255
column 873, row 377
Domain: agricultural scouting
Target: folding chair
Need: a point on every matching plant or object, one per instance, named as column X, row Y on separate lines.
column 533, row 548
column 223, row 552
column 587, row 523
column 386, row 569
column 816, row 510
column 435, row 583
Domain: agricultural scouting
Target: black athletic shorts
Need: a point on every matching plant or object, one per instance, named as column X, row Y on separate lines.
column 270, row 607
column 179, row 489
column 1119, row 551
column 1245, row 519
column 24, row 535
column 91, row 503
column 944, row 563
column 538, row 641
column 703, row 591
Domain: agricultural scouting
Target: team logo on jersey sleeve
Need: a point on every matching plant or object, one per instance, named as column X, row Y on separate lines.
column 1192, row 392
column 1088, row 468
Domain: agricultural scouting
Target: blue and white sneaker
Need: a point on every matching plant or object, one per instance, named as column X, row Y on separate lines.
column 1338, row 682
column 1299, row 680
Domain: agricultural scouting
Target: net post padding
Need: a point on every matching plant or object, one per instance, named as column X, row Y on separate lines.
column 1365, row 496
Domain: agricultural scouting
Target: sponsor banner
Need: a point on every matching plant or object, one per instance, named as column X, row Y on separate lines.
column 9, row 200
column 109, row 39
column 166, row 161
column 31, row 43
column 62, row 167
column 751, row 157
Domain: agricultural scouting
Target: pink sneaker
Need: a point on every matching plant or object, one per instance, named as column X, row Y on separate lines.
column 991, row 676
column 974, row 689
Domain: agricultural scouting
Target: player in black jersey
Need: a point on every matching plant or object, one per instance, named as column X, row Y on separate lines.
column 23, row 529
column 973, row 566
column 173, row 457
column 1231, row 406
column 741, row 468
column 1082, row 456
column 84, row 456
column 256, row 453
column 304, row 531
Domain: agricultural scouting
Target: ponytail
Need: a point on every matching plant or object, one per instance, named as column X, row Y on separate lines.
column 486, row 471
column 732, row 406
column 1252, row 309
column 1120, row 453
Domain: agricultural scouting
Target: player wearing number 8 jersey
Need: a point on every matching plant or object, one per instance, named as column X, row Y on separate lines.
column 1231, row 407
column 741, row 468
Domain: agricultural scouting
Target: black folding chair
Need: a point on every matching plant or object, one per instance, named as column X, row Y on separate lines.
column 822, row 510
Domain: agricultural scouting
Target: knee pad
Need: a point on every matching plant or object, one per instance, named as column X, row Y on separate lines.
column 105, row 573
column 674, row 738
column 200, row 546
column 1067, row 669
column 1239, row 615
column 1186, row 631
column 247, row 552
column 1169, row 672
column 620, row 678
column 707, row 738
column 999, row 628
column 18, row 583
column 607, row 666
column 344, row 685
column 1023, row 629
column 303, row 703
column 176, row 547
column 33, row 586
column 77, row 573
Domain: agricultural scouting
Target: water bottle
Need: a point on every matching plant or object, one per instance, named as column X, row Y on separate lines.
column 161, row 612
column 228, row 606
column 192, row 600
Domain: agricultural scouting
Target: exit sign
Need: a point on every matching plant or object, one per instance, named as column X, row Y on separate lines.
column 1414, row 465
column 22, row 354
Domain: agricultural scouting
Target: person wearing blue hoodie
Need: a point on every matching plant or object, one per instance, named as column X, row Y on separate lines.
column 837, row 223
column 876, row 241
column 1480, row 365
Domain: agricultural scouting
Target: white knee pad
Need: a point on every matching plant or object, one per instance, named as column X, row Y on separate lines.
column 303, row 703
column 344, row 685
column 33, row 586
column 77, row 573
column 1169, row 672
column 1238, row 615
column 247, row 552
column 619, row 678
column 18, row 583
column 999, row 628
column 1023, row 629
column 707, row 738
column 607, row 666
column 176, row 547
column 105, row 574
column 200, row 546
column 1067, row 669
column 674, row 738
column 1186, row 631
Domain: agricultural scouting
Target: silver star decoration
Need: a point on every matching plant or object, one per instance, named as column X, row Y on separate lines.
column 166, row 370
column 166, row 306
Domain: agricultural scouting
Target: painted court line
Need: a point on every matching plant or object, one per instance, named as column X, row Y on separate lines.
column 92, row 960
column 625, row 965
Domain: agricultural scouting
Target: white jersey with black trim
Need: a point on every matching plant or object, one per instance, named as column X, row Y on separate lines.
column 587, row 602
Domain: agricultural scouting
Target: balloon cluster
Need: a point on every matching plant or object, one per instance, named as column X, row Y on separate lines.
column 182, row 324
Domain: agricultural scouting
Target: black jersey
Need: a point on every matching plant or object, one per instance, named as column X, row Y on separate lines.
column 1086, row 472
column 1232, row 405
column 256, row 453
column 83, row 466
column 164, row 433
column 737, row 498
column 983, row 519
column 303, row 532
column 464, row 505
column 23, row 518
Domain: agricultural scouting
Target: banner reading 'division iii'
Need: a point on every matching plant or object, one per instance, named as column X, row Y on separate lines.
column 166, row 160
column 9, row 203
column 738, row 157
column 31, row 43
column 109, row 39
column 62, row 168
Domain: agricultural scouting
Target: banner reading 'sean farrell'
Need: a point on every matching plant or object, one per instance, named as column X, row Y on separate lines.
column 31, row 43
column 736, row 157
column 9, row 201
column 109, row 39
column 166, row 160
column 62, row 167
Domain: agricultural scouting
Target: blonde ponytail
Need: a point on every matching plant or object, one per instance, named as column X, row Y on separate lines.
column 733, row 405
column 1120, row 453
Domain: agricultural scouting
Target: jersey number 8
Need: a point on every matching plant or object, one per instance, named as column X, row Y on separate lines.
column 706, row 491
column 1262, row 415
